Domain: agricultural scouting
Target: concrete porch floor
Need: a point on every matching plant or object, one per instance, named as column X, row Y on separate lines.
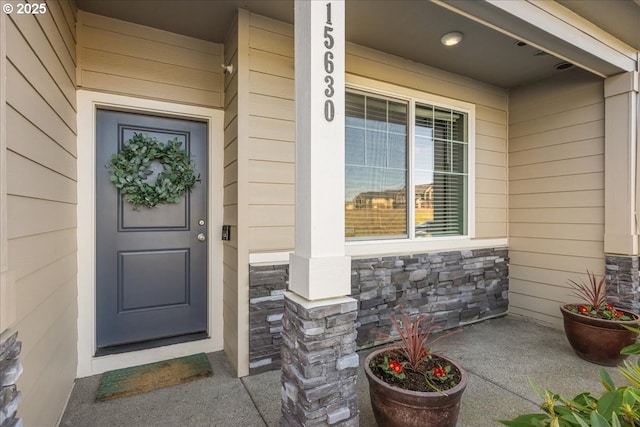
column 498, row 355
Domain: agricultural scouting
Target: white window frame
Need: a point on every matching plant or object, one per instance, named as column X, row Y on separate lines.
column 379, row 246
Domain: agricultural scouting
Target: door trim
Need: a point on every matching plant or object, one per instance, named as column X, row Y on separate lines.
column 88, row 103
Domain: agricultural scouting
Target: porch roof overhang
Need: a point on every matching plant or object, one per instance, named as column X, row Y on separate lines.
column 554, row 28
column 566, row 30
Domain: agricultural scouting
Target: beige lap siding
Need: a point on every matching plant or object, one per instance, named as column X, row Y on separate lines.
column 556, row 200
column 41, row 203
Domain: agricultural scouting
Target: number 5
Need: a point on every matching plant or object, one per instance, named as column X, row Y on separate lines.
column 328, row 43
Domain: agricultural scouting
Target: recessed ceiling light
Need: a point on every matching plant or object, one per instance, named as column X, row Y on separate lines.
column 520, row 43
column 452, row 38
column 563, row 66
column 539, row 53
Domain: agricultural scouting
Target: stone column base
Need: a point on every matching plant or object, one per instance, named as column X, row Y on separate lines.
column 623, row 275
column 10, row 370
column 319, row 363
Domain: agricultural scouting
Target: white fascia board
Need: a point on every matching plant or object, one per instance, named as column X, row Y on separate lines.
column 552, row 28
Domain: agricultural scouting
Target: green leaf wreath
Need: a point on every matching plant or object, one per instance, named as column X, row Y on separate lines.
column 131, row 166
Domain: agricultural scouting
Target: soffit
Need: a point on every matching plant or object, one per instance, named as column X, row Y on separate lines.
column 409, row 29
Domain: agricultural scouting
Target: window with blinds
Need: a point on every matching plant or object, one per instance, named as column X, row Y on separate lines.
column 383, row 194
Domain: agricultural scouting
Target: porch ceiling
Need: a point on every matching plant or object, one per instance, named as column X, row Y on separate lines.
column 406, row 28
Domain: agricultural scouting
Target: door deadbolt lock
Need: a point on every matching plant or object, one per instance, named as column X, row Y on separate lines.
column 201, row 222
column 202, row 237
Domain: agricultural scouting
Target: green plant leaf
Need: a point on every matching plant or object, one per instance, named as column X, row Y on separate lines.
column 607, row 382
column 580, row 420
column 615, row 422
column 598, row 420
column 631, row 349
column 609, row 402
column 527, row 420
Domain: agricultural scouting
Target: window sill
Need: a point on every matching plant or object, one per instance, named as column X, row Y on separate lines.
column 381, row 248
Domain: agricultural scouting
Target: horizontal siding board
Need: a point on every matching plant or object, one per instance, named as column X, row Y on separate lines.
column 265, row 149
column 265, row 128
column 67, row 56
column 149, row 89
column 275, row 86
column 270, row 107
column 271, row 172
column 584, row 148
column 565, row 263
column 231, row 194
column 230, row 215
column 585, row 181
column 24, row 59
column 491, row 215
column 491, row 172
column 271, row 63
column 133, row 46
column 25, row 139
column 47, row 394
column 42, row 283
column 32, row 33
column 490, row 143
column 271, row 25
column 496, row 201
column 494, row 130
column 568, row 118
column 582, row 165
column 562, row 215
column 493, row 115
column 148, row 33
column 150, row 71
column 23, row 98
column 271, row 238
column 269, row 41
column 589, row 232
column 574, row 133
column 42, row 183
column 67, row 33
column 590, row 249
column 493, row 158
column 29, row 216
column 231, row 153
column 490, row 186
column 271, row 215
column 486, row 230
column 69, row 16
column 31, row 253
column 230, row 173
column 271, row 194
column 569, row 199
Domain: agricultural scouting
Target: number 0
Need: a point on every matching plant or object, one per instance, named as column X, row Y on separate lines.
column 329, row 110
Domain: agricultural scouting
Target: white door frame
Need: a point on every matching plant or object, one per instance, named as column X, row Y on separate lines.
column 87, row 103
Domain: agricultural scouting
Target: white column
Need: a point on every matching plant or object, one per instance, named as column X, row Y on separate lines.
column 621, row 164
column 319, row 267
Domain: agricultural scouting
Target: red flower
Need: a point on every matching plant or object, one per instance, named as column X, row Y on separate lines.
column 439, row 371
column 609, row 307
column 395, row 366
column 618, row 313
column 583, row 309
column 423, row 352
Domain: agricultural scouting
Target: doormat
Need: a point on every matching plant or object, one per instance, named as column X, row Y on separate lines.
column 152, row 376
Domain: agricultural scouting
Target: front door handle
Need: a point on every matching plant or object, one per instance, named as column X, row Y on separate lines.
column 202, row 237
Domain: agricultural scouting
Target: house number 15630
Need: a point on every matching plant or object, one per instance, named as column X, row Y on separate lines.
column 329, row 108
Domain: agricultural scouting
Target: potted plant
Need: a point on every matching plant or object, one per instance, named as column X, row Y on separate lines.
column 595, row 328
column 615, row 407
column 409, row 384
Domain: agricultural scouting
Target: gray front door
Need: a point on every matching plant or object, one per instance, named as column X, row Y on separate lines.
column 151, row 269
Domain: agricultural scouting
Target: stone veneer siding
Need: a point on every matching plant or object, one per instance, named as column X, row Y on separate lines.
column 455, row 288
column 622, row 274
column 10, row 370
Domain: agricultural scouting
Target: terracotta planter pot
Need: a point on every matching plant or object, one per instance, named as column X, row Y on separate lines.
column 396, row 407
column 598, row 340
